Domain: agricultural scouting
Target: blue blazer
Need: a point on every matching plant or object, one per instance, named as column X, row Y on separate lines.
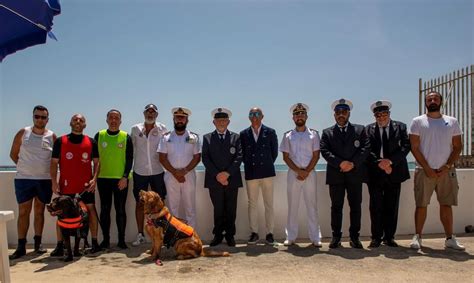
column 259, row 157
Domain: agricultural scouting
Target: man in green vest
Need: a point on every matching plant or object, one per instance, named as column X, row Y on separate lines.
column 115, row 158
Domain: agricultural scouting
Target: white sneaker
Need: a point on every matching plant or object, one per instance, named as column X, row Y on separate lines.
column 288, row 243
column 140, row 240
column 318, row 244
column 416, row 242
column 454, row 244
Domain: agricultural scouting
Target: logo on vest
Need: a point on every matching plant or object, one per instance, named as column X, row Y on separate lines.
column 85, row 157
column 69, row 155
column 232, row 150
column 120, row 145
column 104, row 144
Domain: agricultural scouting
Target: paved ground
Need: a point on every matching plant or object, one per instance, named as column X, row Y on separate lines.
column 262, row 263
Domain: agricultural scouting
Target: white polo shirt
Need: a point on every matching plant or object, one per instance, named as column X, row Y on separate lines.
column 300, row 145
column 146, row 160
column 180, row 149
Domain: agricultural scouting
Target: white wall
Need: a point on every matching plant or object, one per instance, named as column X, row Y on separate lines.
column 463, row 213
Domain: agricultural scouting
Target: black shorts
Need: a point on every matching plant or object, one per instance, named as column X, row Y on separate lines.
column 86, row 197
column 27, row 189
column 156, row 182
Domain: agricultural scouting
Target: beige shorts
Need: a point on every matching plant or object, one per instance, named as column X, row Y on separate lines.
column 446, row 188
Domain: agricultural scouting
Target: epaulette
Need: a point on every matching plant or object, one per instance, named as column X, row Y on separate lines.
column 167, row 133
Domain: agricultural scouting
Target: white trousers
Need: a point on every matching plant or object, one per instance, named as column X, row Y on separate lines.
column 253, row 192
column 294, row 189
column 182, row 192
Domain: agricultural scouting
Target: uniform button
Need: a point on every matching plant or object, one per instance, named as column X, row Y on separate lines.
column 253, row 163
column 253, row 154
column 261, row 154
column 261, row 163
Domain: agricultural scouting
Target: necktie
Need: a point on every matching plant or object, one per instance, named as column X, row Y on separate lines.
column 384, row 142
column 343, row 131
column 221, row 137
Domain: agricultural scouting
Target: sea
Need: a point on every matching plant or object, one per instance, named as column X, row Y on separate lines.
column 200, row 167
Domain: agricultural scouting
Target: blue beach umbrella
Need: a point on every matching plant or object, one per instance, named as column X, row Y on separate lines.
column 24, row 23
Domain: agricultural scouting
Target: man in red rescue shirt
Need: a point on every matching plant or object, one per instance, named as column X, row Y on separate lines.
column 75, row 154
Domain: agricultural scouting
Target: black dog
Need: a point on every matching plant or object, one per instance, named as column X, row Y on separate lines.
column 72, row 220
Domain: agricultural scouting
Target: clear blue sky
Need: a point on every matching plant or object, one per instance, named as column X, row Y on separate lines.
column 236, row 54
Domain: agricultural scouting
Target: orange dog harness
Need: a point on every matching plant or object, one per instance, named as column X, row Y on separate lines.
column 173, row 229
column 76, row 222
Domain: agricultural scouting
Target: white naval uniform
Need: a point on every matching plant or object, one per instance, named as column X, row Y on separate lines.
column 180, row 151
column 300, row 147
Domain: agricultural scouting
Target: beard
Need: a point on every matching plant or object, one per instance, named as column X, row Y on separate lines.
column 300, row 123
column 150, row 121
column 433, row 107
column 179, row 127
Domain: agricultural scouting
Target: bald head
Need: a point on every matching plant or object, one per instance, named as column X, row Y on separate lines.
column 255, row 117
column 78, row 124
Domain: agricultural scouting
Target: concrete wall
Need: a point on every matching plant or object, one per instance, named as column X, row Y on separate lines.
column 463, row 214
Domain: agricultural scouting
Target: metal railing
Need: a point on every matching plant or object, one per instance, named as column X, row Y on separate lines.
column 457, row 89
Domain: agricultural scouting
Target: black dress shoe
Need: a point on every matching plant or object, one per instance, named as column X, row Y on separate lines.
column 356, row 244
column 335, row 243
column 104, row 245
column 19, row 252
column 58, row 250
column 230, row 241
column 390, row 243
column 216, row 241
column 375, row 243
column 122, row 245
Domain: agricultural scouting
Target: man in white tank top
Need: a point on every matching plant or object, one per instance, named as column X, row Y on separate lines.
column 31, row 151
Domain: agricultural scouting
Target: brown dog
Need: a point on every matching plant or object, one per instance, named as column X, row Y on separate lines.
column 162, row 227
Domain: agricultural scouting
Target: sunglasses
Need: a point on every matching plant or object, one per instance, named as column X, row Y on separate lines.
column 40, row 117
column 254, row 114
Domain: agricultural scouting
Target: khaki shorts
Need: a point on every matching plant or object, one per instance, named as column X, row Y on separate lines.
column 446, row 188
